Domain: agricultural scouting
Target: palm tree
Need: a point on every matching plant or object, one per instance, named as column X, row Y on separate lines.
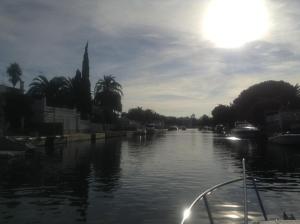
column 73, row 90
column 14, row 73
column 107, row 95
column 53, row 90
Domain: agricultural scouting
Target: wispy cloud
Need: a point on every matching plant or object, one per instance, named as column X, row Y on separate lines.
column 154, row 48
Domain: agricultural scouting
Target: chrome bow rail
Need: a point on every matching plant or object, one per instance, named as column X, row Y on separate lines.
column 210, row 190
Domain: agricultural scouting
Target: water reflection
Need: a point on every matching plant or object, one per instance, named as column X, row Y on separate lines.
column 106, row 162
column 146, row 180
column 276, row 167
column 76, row 172
column 58, row 179
column 45, row 182
column 263, row 160
column 145, row 139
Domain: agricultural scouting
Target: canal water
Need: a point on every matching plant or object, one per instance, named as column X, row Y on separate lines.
column 148, row 180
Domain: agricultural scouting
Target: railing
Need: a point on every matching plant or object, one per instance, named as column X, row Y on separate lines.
column 210, row 190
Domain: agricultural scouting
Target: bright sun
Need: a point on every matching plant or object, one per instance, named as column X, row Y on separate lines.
column 232, row 23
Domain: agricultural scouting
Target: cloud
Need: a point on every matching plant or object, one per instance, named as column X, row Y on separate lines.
column 154, row 48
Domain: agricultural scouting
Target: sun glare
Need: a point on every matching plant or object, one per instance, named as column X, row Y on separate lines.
column 232, row 23
column 186, row 214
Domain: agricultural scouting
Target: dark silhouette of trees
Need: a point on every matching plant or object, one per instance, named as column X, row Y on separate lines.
column 73, row 91
column 86, row 101
column 143, row 116
column 136, row 114
column 54, row 90
column 254, row 102
column 59, row 91
column 14, row 73
column 205, row 120
column 149, row 116
column 108, row 94
column 223, row 114
column 189, row 122
column 297, row 89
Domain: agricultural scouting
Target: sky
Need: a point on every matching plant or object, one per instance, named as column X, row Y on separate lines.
column 155, row 49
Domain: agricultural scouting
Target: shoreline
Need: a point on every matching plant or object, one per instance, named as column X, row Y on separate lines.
column 8, row 143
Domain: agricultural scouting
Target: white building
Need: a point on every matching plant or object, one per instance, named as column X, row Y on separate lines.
column 69, row 118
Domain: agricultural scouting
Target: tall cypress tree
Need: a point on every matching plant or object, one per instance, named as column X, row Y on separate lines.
column 77, row 90
column 86, row 98
column 85, row 64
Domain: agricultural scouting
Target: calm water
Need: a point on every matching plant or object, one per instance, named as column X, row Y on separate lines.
column 138, row 180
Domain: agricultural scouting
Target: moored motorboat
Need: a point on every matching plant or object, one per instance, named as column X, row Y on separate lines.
column 245, row 130
column 220, row 129
column 173, row 128
column 286, row 138
column 150, row 129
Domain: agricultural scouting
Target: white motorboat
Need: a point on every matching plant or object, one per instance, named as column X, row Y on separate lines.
column 245, row 130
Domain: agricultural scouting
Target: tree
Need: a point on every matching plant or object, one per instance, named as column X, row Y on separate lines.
column 193, row 120
column 205, row 120
column 143, row 116
column 223, row 114
column 73, row 91
column 254, row 102
column 14, row 73
column 297, row 89
column 136, row 114
column 86, row 102
column 108, row 94
column 54, row 90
